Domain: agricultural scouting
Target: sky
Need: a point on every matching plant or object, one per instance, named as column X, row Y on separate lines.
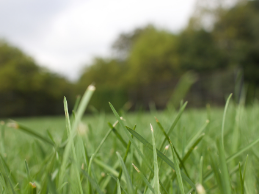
column 65, row 35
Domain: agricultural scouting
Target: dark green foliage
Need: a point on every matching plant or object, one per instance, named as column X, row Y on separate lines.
column 146, row 66
column 148, row 59
column 198, row 52
column 25, row 88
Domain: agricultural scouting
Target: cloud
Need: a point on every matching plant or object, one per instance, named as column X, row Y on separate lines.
column 65, row 35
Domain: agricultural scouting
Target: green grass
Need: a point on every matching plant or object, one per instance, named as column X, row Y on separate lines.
column 209, row 150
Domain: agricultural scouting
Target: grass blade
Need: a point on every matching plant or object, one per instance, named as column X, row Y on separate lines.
column 118, row 187
column 106, row 167
column 74, row 166
column 178, row 116
column 159, row 154
column 144, row 178
column 156, row 171
column 192, row 148
column 196, row 136
column 223, row 121
column 215, row 169
column 92, row 181
column 131, row 139
column 76, row 103
column 172, row 146
column 178, row 173
column 94, row 154
column 27, row 170
column 241, row 179
column 128, row 180
column 201, row 170
column 242, row 150
column 5, row 170
column 27, row 130
column 226, row 186
column 209, row 174
column 244, row 172
column 124, row 160
column 117, row 135
column 120, row 138
column 82, row 106
column 242, row 176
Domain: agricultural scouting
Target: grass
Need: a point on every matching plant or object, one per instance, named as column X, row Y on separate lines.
column 209, row 150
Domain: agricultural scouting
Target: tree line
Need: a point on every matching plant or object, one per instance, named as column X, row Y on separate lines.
column 142, row 57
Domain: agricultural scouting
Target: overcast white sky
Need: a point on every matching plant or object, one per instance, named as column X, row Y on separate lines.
column 64, row 35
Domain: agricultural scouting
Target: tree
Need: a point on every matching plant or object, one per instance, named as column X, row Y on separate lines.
column 25, row 88
column 108, row 76
column 153, row 57
column 198, row 51
column 237, row 33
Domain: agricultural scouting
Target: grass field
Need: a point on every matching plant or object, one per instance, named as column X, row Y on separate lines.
column 210, row 150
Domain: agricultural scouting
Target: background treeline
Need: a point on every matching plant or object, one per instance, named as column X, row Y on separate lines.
column 27, row 89
column 145, row 67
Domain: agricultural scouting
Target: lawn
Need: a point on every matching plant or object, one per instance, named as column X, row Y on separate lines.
column 210, row 150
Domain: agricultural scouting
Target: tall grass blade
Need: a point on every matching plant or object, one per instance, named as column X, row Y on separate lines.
column 128, row 180
column 189, row 151
column 51, row 137
column 51, row 186
column 241, row 180
column 226, row 186
column 121, row 139
column 94, row 154
column 106, row 167
column 82, row 106
column 134, row 144
column 2, row 139
column 216, row 172
column 27, row 170
column 201, row 171
column 5, row 170
column 196, row 136
column 236, row 132
column 29, row 131
column 178, row 173
column 181, row 89
column 147, row 163
column 124, row 160
column 108, row 178
column 93, row 182
column 156, row 171
column 171, row 145
column 178, row 116
column 242, row 150
column 144, row 178
column 117, row 135
column 78, row 98
column 244, row 172
column 183, row 141
column 118, row 187
column 78, row 187
column 242, row 176
column 223, row 121
column 159, row 154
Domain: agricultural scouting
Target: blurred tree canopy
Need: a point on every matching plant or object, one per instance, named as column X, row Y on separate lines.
column 152, row 57
column 198, row 51
column 27, row 89
column 217, row 39
column 237, row 33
